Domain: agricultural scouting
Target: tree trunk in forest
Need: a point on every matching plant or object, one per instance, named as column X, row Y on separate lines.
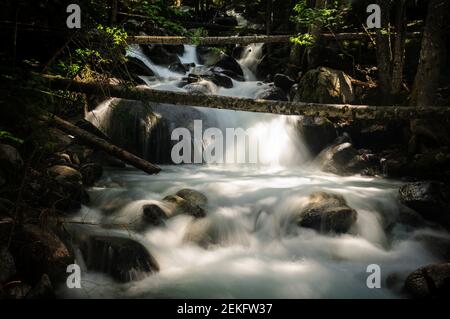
column 432, row 54
column 399, row 47
column 244, row 104
column 269, row 16
column 384, row 53
column 114, row 10
column 99, row 143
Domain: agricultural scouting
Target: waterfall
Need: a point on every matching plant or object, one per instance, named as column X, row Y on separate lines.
column 247, row 246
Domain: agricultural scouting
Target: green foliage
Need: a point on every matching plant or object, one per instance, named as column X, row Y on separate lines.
column 5, row 135
column 197, row 34
column 100, row 48
column 330, row 17
column 161, row 14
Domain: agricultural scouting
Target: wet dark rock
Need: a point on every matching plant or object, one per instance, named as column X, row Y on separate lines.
column 91, row 173
column 174, row 48
column 159, row 55
column 228, row 63
column 213, row 76
column 272, row 93
column 42, row 290
column 327, row 213
column 10, row 158
column 67, row 191
column 137, row 67
column 182, row 206
column 325, row 85
column 192, row 196
column 428, row 134
column 153, row 214
column 430, row 199
column 339, row 159
column 228, row 73
column 7, row 265
column 179, row 67
column 317, row 133
column 123, row 258
column 429, row 282
column 215, row 231
column 284, row 82
column 38, row 251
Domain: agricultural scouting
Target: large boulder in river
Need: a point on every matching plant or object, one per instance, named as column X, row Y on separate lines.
column 316, row 132
column 325, row 85
column 159, row 55
column 429, row 198
column 215, row 230
column 38, row 251
column 183, row 206
column 153, row 214
column 336, row 158
column 123, row 258
column 193, row 197
column 431, row 281
column 228, row 63
column 273, row 93
column 327, row 213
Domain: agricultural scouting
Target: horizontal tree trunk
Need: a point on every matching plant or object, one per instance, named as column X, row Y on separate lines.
column 245, row 39
column 99, row 143
column 249, row 105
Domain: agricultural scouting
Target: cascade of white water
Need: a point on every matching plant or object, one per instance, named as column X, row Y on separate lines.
column 257, row 250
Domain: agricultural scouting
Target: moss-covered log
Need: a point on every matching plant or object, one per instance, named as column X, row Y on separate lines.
column 249, row 105
column 246, row 39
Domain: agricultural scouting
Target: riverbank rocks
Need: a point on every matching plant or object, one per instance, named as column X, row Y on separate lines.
column 91, row 173
column 7, row 265
column 431, row 199
column 38, row 251
column 325, row 85
column 10, row 163
column 327, row 213
column 67, row 191
column 429, row 282
column 317, row 133
column 123, row 258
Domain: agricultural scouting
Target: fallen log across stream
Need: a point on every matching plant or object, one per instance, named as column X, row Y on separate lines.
column 101, row 144
column 345, row 111
column 247, row 39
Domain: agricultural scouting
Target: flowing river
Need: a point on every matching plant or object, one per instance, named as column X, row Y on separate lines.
column 259, row 252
